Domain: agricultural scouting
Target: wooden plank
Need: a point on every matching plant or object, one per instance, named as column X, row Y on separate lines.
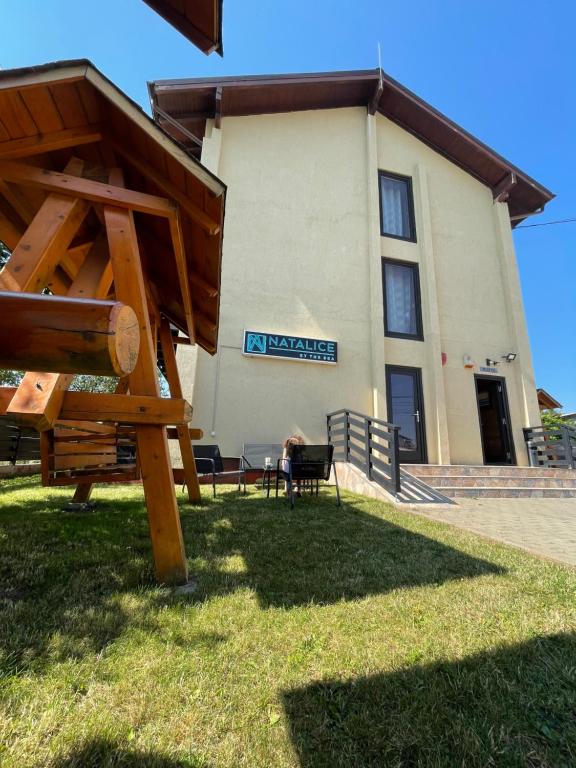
column 200, row 217
column 49, row 142
column 184, row 439
column 126, row 409
column 95, row 191
column 153, row 454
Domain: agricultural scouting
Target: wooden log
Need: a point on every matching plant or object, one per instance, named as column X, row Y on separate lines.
column 62, row 335
column 40, row 394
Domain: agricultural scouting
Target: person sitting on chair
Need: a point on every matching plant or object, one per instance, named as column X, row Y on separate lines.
column 290, row 441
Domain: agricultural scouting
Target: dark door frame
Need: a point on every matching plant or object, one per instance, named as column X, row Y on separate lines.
column 508, row 436
column 420, row 395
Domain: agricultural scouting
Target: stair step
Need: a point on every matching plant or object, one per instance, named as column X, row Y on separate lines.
column 509, row 492
column 431, row 470
column 502, row 481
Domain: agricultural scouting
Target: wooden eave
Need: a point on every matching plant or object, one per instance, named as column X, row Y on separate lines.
column 193, row 101
column 546, row 401
column 52, row 113
column 198, row 20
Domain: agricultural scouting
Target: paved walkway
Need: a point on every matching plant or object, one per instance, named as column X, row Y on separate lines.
column 544, row 526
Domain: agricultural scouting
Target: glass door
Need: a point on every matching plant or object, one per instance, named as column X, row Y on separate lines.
column 406, row 410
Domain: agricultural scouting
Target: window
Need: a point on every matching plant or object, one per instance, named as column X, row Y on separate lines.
column 402, row 315
column 396, row 207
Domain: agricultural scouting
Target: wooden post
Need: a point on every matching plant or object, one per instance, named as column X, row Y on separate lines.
column 153, row 454
column 184, row 441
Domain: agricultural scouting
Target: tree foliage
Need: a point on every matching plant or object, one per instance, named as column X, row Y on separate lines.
column 553, row 419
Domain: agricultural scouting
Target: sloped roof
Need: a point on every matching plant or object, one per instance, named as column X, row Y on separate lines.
column 51, row 113
column 192, row 101
column 198, row 20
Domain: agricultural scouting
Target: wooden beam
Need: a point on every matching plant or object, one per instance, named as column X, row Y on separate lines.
column 51, row 333
column 95, row 191
column 375, row 100
column 37, row 253
column 203, row 285
column 193, row 433
column 17, row 201
column 49, row 142
column 182, row 267
column 125, row 409
column 184, row 440
column 153, row 453
column 218, row 112
column 501, row 191
column 200, row 217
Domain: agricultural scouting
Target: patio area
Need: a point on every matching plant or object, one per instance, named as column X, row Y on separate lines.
column 319, row 636
column 546, row 527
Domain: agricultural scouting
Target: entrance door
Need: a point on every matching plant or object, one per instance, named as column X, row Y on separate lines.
column 406, row 409
column 494, row 421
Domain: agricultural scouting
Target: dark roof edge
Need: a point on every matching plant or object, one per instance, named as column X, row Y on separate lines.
column 374, row 75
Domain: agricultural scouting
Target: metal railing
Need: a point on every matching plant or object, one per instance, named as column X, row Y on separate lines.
column 551, row 447
column 370, row 444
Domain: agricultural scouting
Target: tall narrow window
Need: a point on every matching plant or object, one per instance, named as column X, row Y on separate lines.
column 402, row 315
column 396, row 207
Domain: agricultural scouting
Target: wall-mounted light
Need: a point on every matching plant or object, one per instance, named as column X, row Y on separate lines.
column 510, row 357
column 491, row 363
column 468, row 362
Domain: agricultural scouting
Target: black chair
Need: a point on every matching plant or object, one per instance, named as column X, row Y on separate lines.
column 305, row 466
column 209, row 462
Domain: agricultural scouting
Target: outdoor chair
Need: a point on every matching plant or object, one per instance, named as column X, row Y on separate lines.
column 306, row 466
column 254, row 457
column 209, row 462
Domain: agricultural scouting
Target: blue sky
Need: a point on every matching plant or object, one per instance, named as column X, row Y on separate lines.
column 505, row 71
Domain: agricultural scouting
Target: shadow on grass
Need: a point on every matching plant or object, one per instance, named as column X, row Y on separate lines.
column 102, row 753
column 317, row 553
column 71, row 583
column 513, row 706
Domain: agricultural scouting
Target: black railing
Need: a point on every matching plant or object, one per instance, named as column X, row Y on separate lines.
column 551, row 447
column 18, row 444
column 368, row 443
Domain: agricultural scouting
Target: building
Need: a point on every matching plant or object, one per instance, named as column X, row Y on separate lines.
column 359, row 215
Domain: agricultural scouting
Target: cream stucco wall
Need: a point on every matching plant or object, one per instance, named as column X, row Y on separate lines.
column 302, row 255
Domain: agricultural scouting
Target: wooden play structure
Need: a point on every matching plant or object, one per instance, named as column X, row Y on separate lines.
column 116, row 235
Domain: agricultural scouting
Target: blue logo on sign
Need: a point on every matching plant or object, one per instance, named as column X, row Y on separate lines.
column 256, row 342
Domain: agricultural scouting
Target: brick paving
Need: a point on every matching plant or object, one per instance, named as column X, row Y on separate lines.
column 544, row 526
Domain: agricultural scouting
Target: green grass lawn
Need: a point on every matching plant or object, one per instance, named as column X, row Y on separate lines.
column 319, row 637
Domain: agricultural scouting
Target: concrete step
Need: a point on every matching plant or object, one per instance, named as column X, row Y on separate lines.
column 502, row 481
column 428, row 471
column 509, row 492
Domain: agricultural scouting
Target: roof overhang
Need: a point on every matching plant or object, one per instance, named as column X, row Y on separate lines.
column 55, row 112
column 192, row 101
column 546, row 401
column 198, row 20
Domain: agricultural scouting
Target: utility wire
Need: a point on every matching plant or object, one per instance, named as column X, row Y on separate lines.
column 545, row 223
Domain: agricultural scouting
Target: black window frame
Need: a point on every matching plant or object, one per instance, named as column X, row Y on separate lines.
column 411, row 218
column 419, row 335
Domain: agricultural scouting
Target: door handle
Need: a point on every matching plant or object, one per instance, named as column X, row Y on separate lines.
column 417, row 414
